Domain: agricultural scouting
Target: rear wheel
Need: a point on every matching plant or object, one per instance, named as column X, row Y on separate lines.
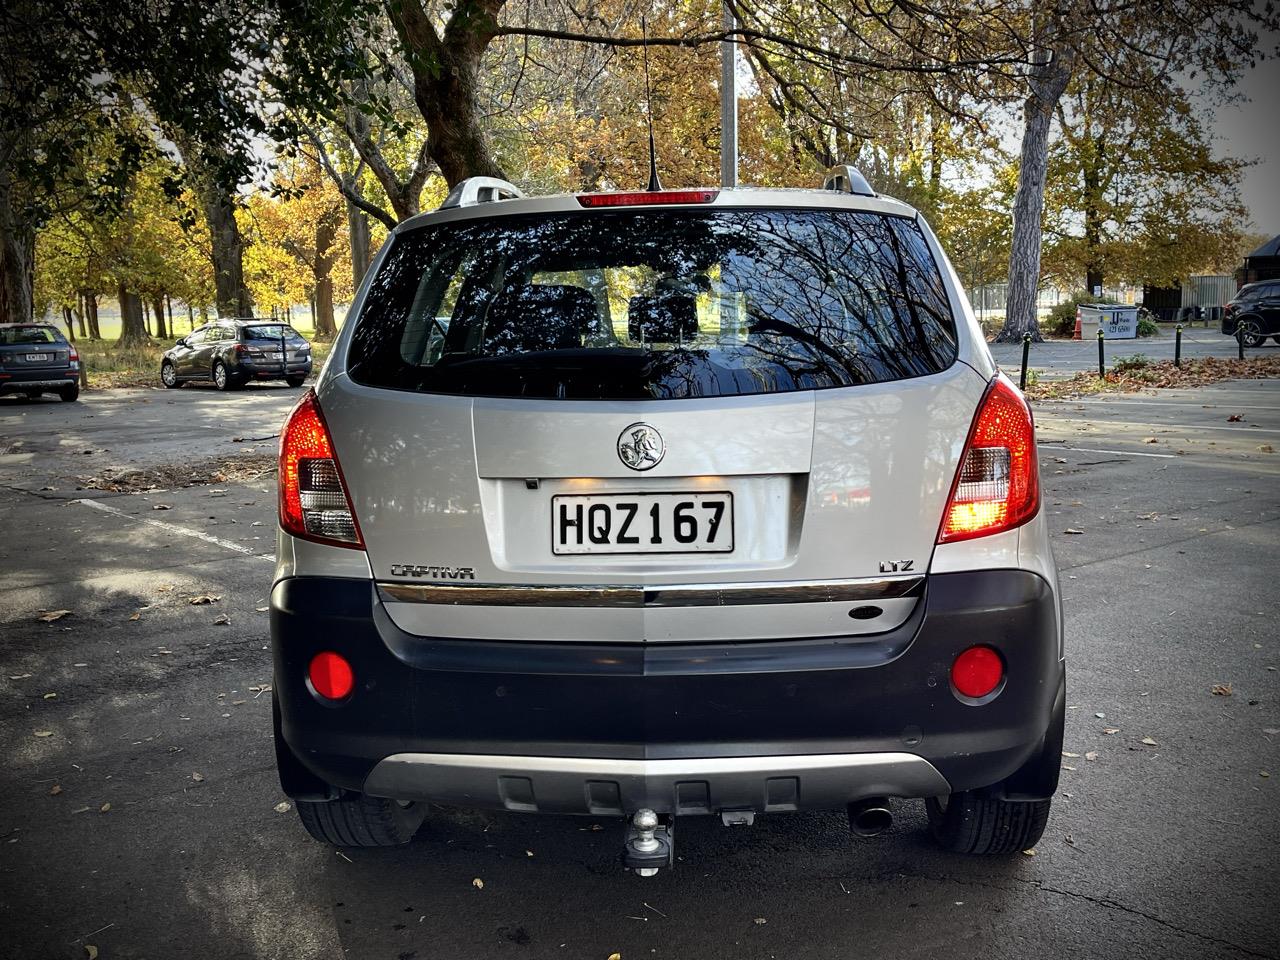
column 1250, row 330
column 970, row 823
column 295, row 381
column 169, row 375
column 362, row 821
column 222, row 377
column 70, row 392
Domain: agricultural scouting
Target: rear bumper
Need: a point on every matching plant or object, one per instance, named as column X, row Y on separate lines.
column 265, row 370
column 600, row 729
column 17, row 381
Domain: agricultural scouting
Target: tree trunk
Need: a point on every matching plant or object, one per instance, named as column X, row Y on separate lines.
column 168, row 306
column 91, row 309
column 157, row 306
column 322, row 271
column 17, row 256
column 133, row 329
column 68, row 317
column 191, row 318
column 1048, row 82
column 358, row 232
column 227, row 246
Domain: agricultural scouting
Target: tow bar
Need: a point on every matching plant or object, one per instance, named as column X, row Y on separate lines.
column 650, row 845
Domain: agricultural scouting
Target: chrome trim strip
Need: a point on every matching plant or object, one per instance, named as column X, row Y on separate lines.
column 647, row 596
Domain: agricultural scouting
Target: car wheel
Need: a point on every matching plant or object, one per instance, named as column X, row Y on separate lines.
column 1250, row 330
column 295, row 381
column 362, row 821
column 169, row 375
column 970, row 823
column 70, row 393
column 222, row 376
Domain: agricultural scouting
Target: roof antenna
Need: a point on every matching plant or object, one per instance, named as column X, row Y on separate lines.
column 654, row 183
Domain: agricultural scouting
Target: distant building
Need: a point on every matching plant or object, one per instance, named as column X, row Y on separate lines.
column 1262, row 264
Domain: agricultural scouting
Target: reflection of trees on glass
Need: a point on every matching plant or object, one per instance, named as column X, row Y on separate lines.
column 655, row 304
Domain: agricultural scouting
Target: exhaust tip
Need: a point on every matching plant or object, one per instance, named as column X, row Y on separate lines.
column 870, row 817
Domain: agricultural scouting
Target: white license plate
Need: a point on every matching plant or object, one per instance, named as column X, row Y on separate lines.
column 38, row 357
column 642, row 523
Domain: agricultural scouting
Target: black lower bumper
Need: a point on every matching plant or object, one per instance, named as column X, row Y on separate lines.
column 885, row 694
column 26, row 380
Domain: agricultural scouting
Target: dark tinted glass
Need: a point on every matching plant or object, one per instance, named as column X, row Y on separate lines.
column 33, row 334
column 271, row 331
column 655, row 304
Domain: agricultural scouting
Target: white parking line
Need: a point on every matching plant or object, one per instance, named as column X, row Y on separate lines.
column 1118, row 453
column 181, row 531
column 1250, row 407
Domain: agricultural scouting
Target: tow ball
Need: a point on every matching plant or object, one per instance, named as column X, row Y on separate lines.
column 650, row 844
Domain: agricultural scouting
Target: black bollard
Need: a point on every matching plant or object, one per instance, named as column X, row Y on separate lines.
column 1102, row 363
column 1240, row 341
column 1177, row 346
column 1026, row 349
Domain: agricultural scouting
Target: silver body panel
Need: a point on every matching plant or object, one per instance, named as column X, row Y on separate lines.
column 607, row 787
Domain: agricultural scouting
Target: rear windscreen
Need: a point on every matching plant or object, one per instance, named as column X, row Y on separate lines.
column 12, row 335
column 654, row 304
column 271, row 331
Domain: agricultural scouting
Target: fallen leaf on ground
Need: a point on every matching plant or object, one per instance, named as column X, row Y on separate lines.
column 1263, row 773
column 478, row 883
column 161, row 506
column 1150, row 742
column 1072, row 530
column 283, row 807
column 55, row 790
column 53, row 615
column 44, row 733
column 91, row 952
column 136, row 616
column 1091, row 755
column 203, row 600
column 1235, row 418
column 51, row 696
column 1072, row 755
column 1266, row 448
column 105, row 808
column 1271, row 731
column 21, row 676
column 1029, row 853
column 221, row 619
column 1110, row 730
column 1151, row 440
column 760, row 920
column 1221, row 690
column 615, row 956
column 198, row 777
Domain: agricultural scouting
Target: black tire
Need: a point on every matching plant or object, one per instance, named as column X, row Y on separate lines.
column 32, row 394
column 1276, row 338
column 70, row 393
column 169, row 375
column 295, row 381
column 362, row 821
column 1250, row 330
column 970, row 823
column 222, row 378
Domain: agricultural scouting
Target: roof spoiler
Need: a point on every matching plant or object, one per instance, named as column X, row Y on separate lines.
column 474, row 190
column 844, row 178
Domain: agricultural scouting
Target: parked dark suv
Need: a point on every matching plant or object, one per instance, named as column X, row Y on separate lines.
column 233, row 352
column 1254, row 313
column 35, row 358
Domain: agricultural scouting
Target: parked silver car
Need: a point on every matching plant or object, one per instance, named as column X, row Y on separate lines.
column 665, row 503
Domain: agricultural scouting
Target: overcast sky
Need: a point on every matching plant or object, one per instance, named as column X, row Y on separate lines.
column 1252, row 131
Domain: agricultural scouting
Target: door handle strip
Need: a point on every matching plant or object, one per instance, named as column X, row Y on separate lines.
column 648, row 596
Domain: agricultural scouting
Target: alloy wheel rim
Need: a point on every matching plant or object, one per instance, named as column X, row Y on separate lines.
column 220, row 375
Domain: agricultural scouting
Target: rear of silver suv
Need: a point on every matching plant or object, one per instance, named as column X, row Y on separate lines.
column 657, row 504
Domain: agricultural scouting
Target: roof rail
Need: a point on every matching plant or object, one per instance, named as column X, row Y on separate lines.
column 475, row 190
column 846, row 179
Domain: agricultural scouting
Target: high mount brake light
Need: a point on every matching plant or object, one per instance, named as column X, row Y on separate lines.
column 646, row 198
column 997, row 486
column 314, row 504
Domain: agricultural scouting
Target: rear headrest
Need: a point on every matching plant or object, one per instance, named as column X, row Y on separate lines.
column 538, row 316
column 664, row 318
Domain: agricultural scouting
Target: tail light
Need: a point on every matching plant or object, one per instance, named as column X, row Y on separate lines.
column 73, row 354
column 998, row 485
column 647, row 198
column 314, row 503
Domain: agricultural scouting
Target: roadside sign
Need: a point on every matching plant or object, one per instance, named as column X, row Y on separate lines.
column 1118, row 322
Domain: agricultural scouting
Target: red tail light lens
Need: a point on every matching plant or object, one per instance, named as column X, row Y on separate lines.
column 331, row 676
column 73, row 354
column 314, row 503
column 977, row 672
column 998, row 485
column 646, row 198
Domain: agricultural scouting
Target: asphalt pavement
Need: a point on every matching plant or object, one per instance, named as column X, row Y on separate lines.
column 139, row 805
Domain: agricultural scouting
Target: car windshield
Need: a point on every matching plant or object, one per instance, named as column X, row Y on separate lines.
column 33, row 334
column 272, row 331
column 655, row 304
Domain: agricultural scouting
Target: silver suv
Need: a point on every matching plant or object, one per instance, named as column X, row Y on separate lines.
column 650, row 504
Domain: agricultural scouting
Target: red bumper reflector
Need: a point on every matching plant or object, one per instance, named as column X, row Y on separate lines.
column 976, row 672
column 331, row 676
column 645, row 198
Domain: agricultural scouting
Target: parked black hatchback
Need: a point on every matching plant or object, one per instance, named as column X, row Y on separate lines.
column 1254, row 313
column 35, row 358
column 233, row 352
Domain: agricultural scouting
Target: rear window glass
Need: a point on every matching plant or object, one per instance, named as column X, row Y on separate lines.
column 29, row 335
column 272, row 331
column 657, row 304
